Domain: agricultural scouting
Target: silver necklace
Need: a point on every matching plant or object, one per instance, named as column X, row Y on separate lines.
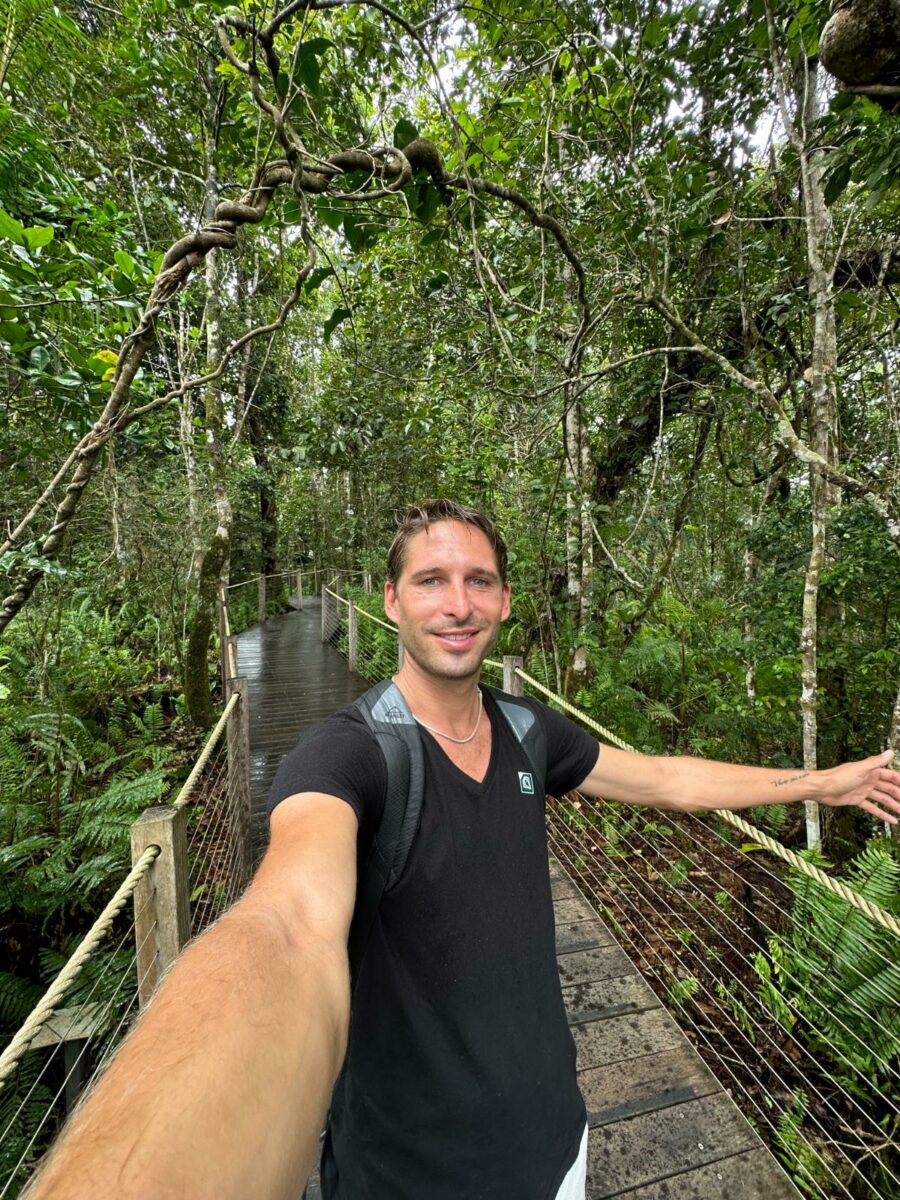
column 449, row 736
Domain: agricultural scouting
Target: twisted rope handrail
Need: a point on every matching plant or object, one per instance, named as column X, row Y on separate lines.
column 51, row 999
column 838, row 887
column 187, row 787
column 378, row 621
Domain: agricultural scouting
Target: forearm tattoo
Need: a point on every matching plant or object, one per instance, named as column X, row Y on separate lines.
column 792, row 779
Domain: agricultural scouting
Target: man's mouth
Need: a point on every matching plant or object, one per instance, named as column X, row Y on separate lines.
column 457, row 637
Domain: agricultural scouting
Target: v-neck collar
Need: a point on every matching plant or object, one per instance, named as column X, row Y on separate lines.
column 476, row 785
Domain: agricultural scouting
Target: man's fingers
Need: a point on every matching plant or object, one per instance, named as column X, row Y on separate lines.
column 877, row 812
column 880, row 796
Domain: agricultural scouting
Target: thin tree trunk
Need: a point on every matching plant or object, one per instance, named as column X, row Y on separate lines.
column 824, row 496
column 198, row 697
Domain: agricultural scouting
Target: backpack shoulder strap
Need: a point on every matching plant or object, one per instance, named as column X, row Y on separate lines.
column 387, row 715
column 527, row 728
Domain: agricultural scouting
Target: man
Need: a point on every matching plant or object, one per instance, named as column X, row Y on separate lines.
column 459, row 1080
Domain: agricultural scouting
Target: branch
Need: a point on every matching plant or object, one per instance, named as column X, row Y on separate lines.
column 786, row 432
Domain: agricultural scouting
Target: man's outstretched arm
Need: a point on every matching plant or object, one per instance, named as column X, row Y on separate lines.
column 690, row 784
column 221, row 1090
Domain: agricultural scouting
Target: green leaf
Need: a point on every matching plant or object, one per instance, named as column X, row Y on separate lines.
column 11, row 228
column 339, row 315
column 125, row 263
column 436, row 282
column 432, row 236
column 38, row 235
column 427, row 202
column 308, row 70
column 837, row 182
column 292, row 212
column 328, row 214
column 404, row 133
column 318, row 277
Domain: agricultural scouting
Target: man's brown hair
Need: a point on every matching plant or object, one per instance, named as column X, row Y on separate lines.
column 417, row 517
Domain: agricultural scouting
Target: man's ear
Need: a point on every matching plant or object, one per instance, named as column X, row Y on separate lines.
column 390, row 601
column 505, row 610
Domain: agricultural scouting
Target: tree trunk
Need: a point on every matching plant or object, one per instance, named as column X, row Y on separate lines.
column 824, row 495
column 217, row 555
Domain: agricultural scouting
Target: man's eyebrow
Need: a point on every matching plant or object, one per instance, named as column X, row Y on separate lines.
column 487, row 572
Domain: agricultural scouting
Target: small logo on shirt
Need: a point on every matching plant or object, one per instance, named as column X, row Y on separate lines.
column 526, row 783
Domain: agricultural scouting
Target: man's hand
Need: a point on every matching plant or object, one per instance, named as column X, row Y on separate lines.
column 869, row 784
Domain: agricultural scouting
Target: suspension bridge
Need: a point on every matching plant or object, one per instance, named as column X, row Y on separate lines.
column 687, row 1011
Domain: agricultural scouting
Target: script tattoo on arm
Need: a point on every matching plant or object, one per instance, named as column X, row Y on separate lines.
column 792, row 779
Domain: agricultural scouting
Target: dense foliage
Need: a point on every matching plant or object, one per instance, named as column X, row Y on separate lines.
column 639, row 413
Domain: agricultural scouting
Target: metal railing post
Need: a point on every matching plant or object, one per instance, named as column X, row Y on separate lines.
column 512, row 684
column 162, row 910
column 261, row 605
column 238, row 737
column 352, row 637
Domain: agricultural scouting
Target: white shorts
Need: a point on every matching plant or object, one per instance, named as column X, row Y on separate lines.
column 572, row 1187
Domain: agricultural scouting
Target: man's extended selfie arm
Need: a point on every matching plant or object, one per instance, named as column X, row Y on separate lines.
column 222, row 1089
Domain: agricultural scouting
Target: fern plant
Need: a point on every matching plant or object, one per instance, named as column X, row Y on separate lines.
column 839, row 971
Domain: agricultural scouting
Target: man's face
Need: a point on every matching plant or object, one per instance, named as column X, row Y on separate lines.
column 449, row 600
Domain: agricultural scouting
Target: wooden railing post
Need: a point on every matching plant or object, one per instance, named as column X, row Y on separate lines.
column 367, row 581
column 300, row 590
column 316, row 578
column 238, row 737
column 352, row 637
column 324, row 614
column 162, row 911
column 512, row 684
column 399, row 654
column 261, row 606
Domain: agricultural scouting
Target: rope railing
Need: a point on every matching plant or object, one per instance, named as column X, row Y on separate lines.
column 52, row 998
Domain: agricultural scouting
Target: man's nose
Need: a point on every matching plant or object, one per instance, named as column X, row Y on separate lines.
column 456, row 599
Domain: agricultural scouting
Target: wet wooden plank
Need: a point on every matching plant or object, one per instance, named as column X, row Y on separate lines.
column 586, row 965
column 562, row 887
column 614, row 1091
column 753, row 1175
column 640, row 1150
column 608, row 998
column 632, row 1035
column 581, row 935
column 573, row 908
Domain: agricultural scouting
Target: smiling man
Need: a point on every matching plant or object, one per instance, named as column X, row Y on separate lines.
column 459, row 1078
column 450, row 1069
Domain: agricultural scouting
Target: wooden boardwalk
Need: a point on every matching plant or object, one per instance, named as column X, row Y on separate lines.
column 661, row 1126
column 295, row 680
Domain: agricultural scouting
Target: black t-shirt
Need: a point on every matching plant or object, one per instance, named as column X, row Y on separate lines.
column 459, row 1081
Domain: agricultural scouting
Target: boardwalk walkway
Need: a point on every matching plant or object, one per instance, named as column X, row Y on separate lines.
column 295, row 680
column 661, row 1126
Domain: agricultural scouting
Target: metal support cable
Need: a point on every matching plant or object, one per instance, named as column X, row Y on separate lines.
column 51, row 999
column 838, row 887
